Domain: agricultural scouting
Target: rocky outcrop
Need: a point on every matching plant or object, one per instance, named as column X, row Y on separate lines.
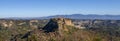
column 5, row 23
column 58, row 24
column 33, row 23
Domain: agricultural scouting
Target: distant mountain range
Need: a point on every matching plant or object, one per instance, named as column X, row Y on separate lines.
column 77, row 16
column 91, row 16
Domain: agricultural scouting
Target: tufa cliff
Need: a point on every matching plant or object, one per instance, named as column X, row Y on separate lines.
column 58, row 24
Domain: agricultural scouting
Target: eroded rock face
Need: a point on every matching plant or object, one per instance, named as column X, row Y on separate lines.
column 57, row 24
column 5, row 23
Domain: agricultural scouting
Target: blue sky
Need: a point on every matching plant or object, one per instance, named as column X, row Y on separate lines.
column 39, row 8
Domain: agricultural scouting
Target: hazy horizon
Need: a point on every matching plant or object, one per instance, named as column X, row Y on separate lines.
column 40, row 8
